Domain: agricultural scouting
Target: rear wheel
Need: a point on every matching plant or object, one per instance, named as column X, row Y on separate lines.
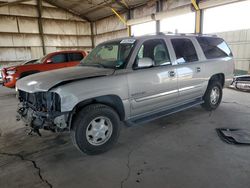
column 213, row 96
column 95, row 129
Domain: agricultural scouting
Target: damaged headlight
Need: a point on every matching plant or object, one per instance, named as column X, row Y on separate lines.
column 41, row 101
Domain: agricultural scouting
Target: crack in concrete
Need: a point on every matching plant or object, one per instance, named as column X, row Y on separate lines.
column 129, row 168
column 34, row 165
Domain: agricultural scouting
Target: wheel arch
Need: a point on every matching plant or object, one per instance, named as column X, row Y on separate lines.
column 218, row 77
column 112, row 101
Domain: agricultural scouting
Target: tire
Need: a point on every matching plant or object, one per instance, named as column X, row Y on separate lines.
column 85, row 135
column 212, row 100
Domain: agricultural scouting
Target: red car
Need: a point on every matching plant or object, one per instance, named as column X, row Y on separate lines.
column 51, row 61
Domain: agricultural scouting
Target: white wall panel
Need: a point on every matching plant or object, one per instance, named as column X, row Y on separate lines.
column 4, row 10
column 19, row 32
column 109, row 36
column 144, row 11
column 56, row 13
column 14, row 54
column 36, row 52
column 23, row 10
column 83, row 28
column 239, row 42
column 109, row 24
column 50, row 49
column 28, row 25
column 59, row 27
column 8, row 24
column 19, row 40
column 84, row 41
column 57, row 40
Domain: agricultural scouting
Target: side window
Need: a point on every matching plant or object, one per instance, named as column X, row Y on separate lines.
column 184, row 50
column 214, row 47
column 59, row 58
column 75, row 56
column 156, row 50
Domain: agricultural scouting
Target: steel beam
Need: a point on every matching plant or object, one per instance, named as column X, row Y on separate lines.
column 129, row 26
column 92, row 34
column 198, row 16
column 40, row 24
column 159, row 8
column 13, row 3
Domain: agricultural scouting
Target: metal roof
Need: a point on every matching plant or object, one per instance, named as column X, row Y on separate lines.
column 92, row 10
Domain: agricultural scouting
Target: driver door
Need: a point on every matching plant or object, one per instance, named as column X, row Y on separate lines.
column 152, row 88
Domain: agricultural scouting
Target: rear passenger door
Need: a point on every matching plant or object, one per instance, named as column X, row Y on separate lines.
column 189, row 68
column 74, row 58
column 152, row 88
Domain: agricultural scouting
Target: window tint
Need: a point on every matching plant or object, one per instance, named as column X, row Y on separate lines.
column 214, row 47
column 59, row 58
column 75, row 56
column 184, row 50
column 155, row 50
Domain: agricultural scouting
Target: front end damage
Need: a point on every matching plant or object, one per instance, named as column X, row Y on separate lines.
column 42, row 110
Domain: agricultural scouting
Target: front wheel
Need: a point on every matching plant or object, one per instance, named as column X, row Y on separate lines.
column 95, row 129
column 213, row 96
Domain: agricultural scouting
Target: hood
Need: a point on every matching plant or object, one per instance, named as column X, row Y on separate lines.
column 46, row 80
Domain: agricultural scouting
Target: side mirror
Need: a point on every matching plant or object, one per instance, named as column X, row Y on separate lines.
column 145, row 62
column 48, row 61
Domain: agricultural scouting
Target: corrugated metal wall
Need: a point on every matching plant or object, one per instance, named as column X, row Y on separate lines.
column 239, row 42
column 109, row 28
column 19, row 32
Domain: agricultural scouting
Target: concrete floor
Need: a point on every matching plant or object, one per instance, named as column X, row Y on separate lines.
column 181, row 150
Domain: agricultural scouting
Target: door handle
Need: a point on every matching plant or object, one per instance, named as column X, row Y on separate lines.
column 171, row 73
column 198, row 69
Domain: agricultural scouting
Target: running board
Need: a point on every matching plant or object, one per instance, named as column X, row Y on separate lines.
column 157, row 115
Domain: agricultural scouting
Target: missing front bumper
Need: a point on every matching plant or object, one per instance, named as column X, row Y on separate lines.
column 54, row 121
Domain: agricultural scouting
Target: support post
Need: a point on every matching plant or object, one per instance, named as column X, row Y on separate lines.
column 159, row 8
column 123, row 20
column 40, row 24
column 92, row 35
column 198, row 17
column 128, row 26
column 199, row 21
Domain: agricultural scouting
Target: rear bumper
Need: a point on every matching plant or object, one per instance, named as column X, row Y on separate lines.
column 241, row 85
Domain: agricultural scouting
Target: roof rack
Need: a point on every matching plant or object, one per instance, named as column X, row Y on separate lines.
column 186, row 34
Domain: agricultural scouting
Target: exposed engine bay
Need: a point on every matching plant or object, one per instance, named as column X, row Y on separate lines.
column 41, row 110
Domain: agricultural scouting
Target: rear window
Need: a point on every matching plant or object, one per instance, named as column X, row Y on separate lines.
column 214, row 47
column 184, row 50
column 75, row 56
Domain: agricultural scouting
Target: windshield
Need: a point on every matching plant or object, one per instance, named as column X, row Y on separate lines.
column 110, row 55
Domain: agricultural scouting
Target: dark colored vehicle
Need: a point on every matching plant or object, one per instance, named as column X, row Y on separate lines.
column 55, row 60
column 241, row 82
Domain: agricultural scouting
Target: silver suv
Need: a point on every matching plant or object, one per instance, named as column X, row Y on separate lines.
column 132, row 80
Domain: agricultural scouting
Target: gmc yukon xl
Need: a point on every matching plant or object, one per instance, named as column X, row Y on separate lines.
column 129, row 80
